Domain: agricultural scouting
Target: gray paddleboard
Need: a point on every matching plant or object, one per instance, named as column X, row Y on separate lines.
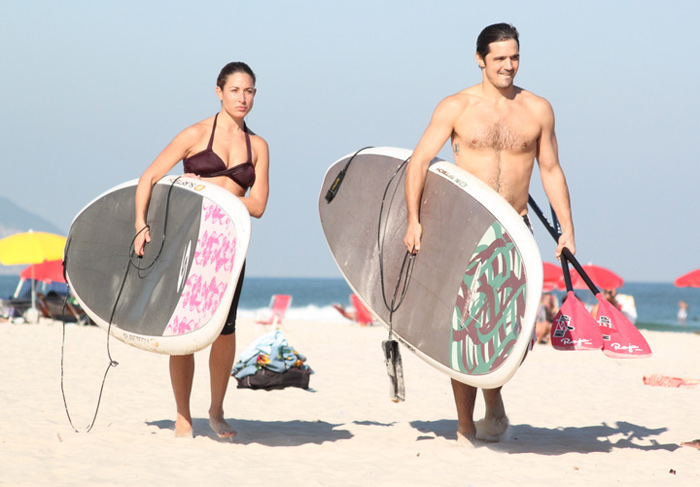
column 471, row 301
column 175, row 298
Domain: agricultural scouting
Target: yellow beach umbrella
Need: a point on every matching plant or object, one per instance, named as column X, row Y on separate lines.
column 31, row 248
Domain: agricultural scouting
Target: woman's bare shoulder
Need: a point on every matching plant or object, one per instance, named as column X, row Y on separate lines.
column 196, row 132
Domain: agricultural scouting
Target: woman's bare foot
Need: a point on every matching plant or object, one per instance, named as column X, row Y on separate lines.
column 465, row 440
column 692, row 444
column 183, row 427
column 222, row 428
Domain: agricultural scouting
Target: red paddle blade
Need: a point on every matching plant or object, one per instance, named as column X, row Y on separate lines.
column 574, row 328
column 621, row 339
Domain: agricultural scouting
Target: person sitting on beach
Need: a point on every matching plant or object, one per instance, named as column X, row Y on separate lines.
column 222, row 148
column 610, row 296
column 546, row 312
column 497, row 131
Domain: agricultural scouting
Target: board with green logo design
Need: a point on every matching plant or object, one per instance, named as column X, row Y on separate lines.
column 470, row 298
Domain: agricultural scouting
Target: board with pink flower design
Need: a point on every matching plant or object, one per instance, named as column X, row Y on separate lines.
column 174, row 299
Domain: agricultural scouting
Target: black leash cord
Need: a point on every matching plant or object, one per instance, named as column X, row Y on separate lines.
column 406, row 265
column 112, row 362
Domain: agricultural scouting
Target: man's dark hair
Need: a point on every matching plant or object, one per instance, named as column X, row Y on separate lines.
column 495, row 33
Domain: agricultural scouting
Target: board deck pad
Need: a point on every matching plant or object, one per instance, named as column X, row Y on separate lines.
column 175, row 298
column 470, row 305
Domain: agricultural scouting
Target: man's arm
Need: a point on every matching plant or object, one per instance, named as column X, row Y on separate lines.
column 433, row 139
column 553, row 179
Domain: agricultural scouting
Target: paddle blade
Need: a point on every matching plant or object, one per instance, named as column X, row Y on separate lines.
column 574, row 328
column 621, row 339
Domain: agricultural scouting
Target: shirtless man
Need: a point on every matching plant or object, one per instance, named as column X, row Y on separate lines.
column 497, row 131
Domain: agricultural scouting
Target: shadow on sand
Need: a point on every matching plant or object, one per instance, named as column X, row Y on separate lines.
column 523, row 438
column 268, row 433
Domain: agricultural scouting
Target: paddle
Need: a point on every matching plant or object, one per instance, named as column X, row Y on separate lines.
column 621, row 339
column 573, row 328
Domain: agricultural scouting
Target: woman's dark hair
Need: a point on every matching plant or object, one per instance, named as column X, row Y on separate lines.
column 231, row 68
column 495, row 33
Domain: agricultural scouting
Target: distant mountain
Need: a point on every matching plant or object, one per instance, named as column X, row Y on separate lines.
column 14, row 219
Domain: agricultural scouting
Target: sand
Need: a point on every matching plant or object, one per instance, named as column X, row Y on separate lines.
column 577, row 418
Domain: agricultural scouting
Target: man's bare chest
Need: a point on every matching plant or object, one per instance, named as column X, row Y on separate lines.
column 512, row 134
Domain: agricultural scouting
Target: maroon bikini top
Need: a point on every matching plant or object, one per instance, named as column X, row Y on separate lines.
column 208, row 164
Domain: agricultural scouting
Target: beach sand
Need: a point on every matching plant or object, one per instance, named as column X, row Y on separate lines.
column 577, row 418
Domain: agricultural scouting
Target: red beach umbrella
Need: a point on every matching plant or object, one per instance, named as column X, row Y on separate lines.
column 691, row 279
column 552, row 276
column 48, row 271
column 603, row 278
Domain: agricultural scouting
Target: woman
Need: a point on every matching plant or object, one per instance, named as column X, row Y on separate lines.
column 223, row 150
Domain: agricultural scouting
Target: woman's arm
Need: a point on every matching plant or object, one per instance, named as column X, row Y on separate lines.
column 173, row 153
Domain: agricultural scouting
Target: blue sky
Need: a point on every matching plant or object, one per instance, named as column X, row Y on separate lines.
column 92, row 91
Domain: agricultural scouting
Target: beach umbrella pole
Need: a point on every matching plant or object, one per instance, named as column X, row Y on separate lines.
column 33, row 312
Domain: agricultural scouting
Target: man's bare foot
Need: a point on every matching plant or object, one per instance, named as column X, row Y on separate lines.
column 491, row 429
column 222, row 428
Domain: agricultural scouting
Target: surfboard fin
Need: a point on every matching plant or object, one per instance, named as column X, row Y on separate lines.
column 394, row 368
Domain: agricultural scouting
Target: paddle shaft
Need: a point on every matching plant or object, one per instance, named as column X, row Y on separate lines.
column 567, row 275
column 566, row 253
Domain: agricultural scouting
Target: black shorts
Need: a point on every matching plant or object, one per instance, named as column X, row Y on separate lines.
column 230, row 325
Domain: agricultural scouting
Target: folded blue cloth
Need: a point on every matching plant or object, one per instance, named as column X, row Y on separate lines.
column 270, row 351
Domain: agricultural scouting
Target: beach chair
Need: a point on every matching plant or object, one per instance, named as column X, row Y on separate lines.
column 278, row 308
column 56, row 307
column 362, row 314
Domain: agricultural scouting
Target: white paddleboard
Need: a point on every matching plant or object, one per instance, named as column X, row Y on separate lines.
column 176, row 298
column 470, row 306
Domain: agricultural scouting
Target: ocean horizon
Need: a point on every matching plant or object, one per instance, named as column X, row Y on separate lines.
column 313, row 299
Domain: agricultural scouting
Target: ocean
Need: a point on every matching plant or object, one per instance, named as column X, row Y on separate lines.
column 312, row 299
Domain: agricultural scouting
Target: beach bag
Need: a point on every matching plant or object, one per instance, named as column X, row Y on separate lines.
column 268, row 380
column 266, row 360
